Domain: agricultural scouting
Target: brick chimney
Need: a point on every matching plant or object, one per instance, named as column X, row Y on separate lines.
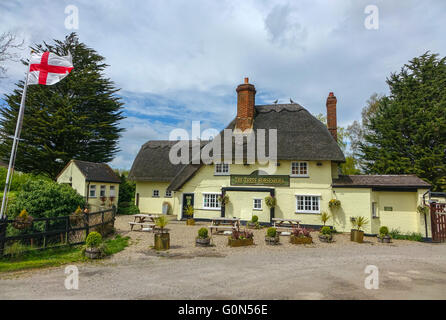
column 331, row 116
column 246, row 94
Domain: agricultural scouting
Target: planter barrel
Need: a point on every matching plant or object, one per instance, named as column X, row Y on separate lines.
column 357, row 236
column 240, row 242
column 385, row 239
column 162, row 241
column 300, row 240
column 93, row 253
column 272, row 241
column 325, row 238
column 203, row 242
column 190, row 222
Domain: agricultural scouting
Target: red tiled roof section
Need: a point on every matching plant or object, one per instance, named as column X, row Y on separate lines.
column 402, row 180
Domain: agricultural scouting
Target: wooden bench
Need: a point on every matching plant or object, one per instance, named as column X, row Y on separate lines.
column 285, row 225
column 142, row 224
column 224, row 223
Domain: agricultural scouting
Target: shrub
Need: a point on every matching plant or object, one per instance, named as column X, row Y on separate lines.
column 326, row 230
column 203, row 233
column 301, row 232
column 384, row 230
column 15, row 250
column 360, row 222
column 128, row 208
column 271, row 232
column 161, row 222
column 189, row 211
column 94, row 240
column 254, row 219
column 324, row 217
column 236, row 234
column 414, row 236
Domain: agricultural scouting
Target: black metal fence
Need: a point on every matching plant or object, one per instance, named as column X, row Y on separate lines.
column 44, row 233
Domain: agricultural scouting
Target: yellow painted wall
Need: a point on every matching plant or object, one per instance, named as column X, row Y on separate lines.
column 354, row 202
column 95, row 202
column 150, row 204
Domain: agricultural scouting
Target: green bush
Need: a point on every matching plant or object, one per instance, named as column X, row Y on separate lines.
column 384, row 230
column 203, row 233
column 271, row 232
column 94, row 240
column 128, row 208
column 46, row 199
column 414, row 236
column 326, row 230
column 15, row 250
column 254, row 219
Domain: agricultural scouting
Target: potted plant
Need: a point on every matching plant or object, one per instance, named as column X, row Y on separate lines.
column 357, row 235
column 103, row 199
column 300, row 236
column 203, row 239
column 190, row 214
column 325, row 217
column 254, row 223
column 93, row 249
column 334, row 204
column 241, row 238
column 325, row 235
column 162, row 237
column 23, row 220
column 77, row 216
column 272, row 236
column 112, row 199
column 270, row 201
column 223, row 199
column 384, row 236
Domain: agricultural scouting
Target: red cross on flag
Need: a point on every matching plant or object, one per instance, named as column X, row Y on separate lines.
column 48, row 68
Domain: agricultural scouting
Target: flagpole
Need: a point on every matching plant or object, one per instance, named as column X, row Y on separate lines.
column 14, row 147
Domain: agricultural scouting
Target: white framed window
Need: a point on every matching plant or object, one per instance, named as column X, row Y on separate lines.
column 222, row 169
column 112, row 191
column 299, row 169
column 92, row 191
column 308, row 204
column 168, row 194
column 210, row 201
column 156, row 193
column 257, row 204
column 102, row 191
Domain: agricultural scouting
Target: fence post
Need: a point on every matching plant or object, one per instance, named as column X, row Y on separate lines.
column 3, row 225
column 46, row 230
column 67, row 228
column 87, row 229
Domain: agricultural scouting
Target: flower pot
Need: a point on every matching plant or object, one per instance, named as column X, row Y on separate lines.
column 162, row 241
column 22, row 224
column 385, row 239
column 93, row 253
column 190, row 222
column 300, row 240
column 326, row 238
column 272, row 240
column 240, row 242
column 203, row 242
column 357, row 236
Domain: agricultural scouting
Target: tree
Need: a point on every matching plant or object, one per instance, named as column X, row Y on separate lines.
column 8, row 42
column 76, row 118
column 407, row 133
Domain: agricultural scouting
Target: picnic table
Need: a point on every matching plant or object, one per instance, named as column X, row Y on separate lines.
column 144, row 220
column 221, row 224
column 282, row 225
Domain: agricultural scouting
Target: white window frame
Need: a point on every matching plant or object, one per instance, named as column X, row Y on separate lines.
column 299, row 164
column 308, row 207
column 92, row 187
column 254, row 204
column 112, row 191
column 155, row 193
column 168, row 194
column 216, row 194
column 222, row 171
column 103, row 188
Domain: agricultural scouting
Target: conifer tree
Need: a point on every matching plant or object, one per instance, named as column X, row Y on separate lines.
column 77, row 118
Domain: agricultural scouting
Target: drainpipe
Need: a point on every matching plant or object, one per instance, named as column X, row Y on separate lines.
column 425, row 216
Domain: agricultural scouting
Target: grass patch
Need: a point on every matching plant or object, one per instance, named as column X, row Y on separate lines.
column 396, row 234
column 58, row 256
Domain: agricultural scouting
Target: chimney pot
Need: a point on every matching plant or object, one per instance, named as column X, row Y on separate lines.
column 246, row 80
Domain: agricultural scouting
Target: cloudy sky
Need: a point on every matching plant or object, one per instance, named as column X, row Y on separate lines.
column 179, row 61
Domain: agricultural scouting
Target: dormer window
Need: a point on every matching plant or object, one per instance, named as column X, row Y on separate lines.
column 299, row 169
column 221, row 169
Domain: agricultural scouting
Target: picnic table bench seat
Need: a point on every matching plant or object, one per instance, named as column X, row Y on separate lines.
column 142, row 224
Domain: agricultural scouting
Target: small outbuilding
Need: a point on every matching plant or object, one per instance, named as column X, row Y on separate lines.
column 96, row 182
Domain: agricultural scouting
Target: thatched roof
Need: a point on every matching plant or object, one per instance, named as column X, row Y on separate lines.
column 300, row 136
